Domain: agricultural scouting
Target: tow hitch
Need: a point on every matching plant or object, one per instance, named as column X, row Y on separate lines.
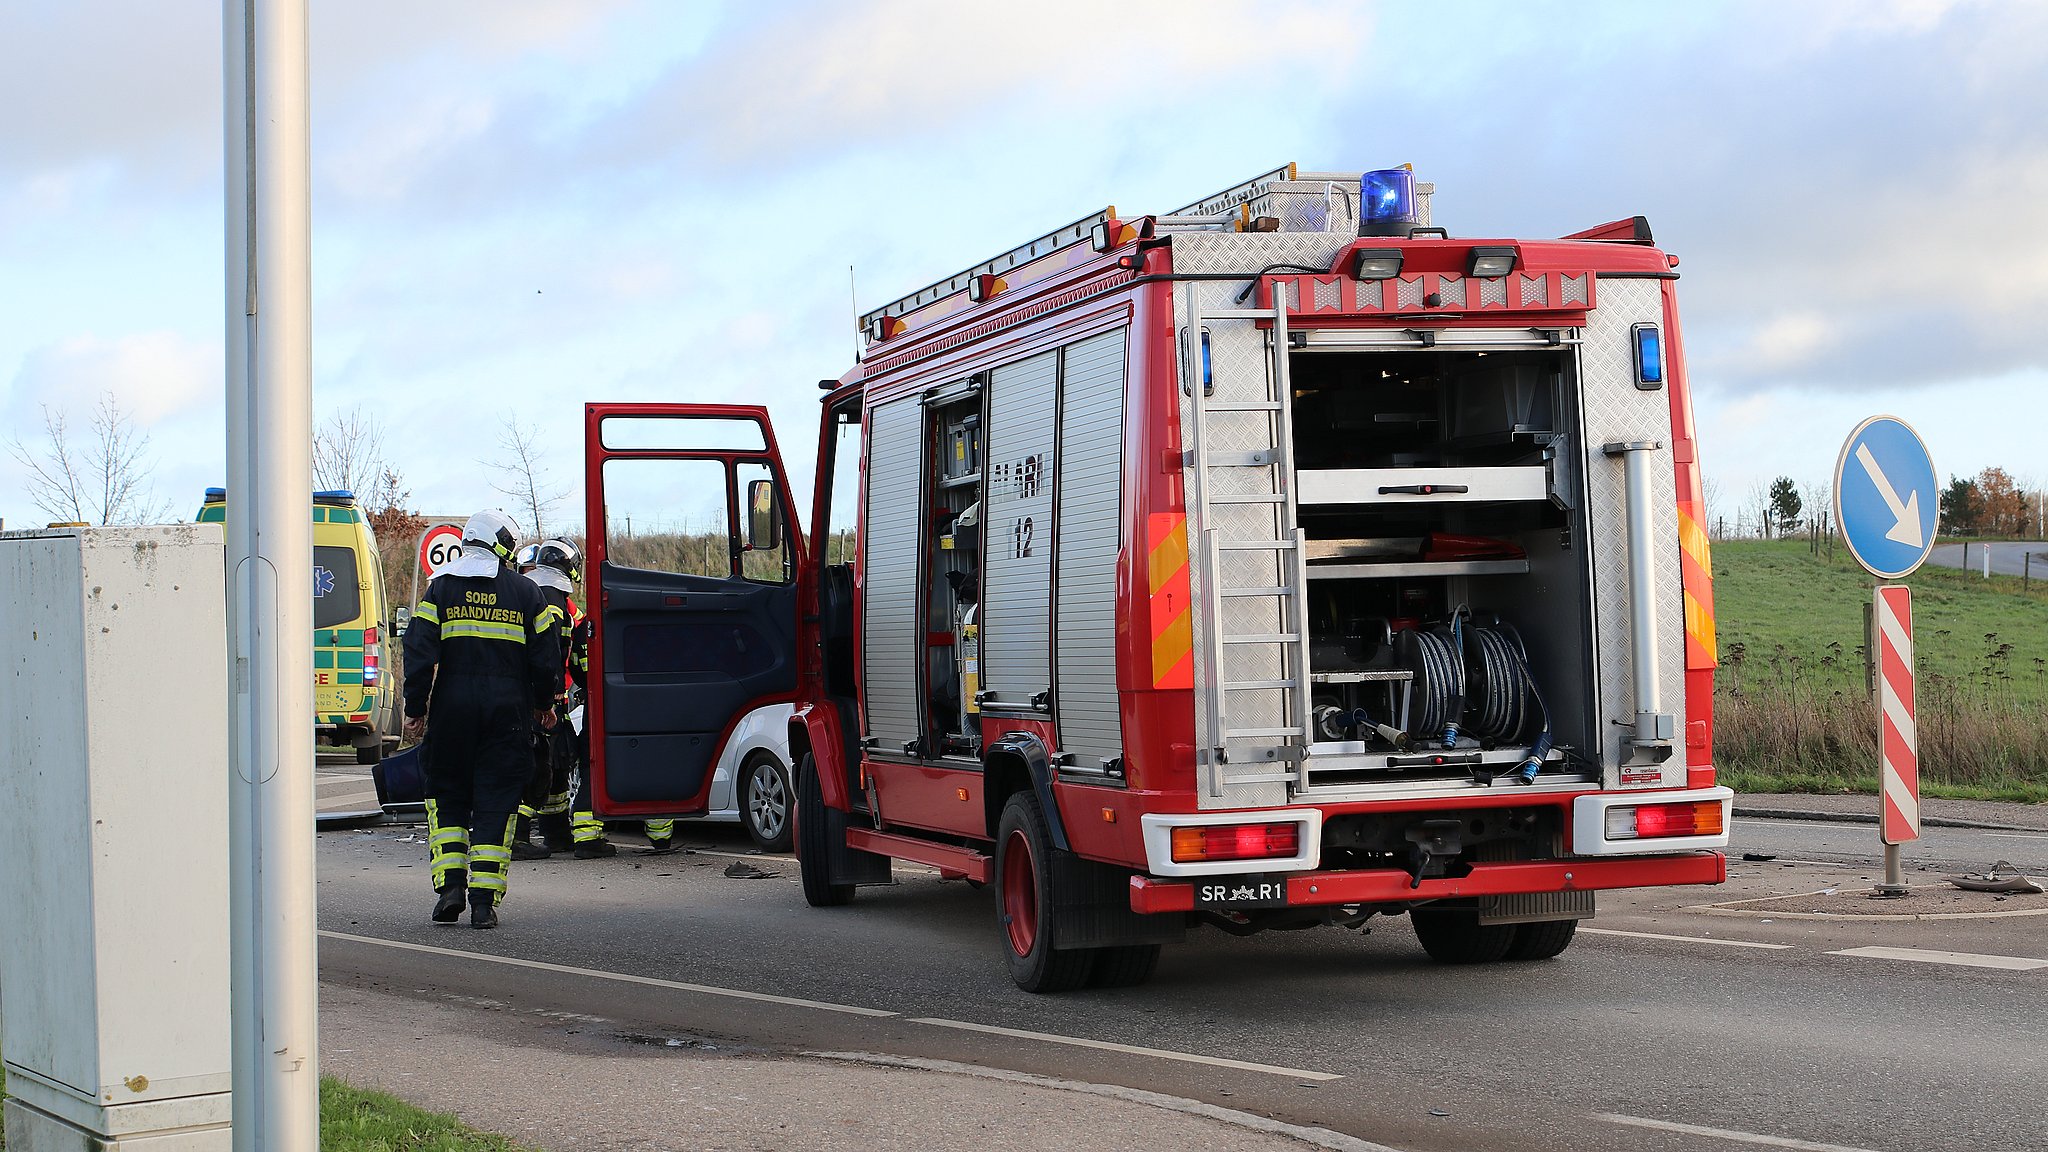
column 1432, row 845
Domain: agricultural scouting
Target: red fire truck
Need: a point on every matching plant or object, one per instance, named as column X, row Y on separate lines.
column 1282, row 560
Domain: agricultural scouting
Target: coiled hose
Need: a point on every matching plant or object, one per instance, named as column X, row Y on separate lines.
column 1505, row 700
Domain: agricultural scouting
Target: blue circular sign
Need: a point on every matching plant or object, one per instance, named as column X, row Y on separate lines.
column 1886, row 497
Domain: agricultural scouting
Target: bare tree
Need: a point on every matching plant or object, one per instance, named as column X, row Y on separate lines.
column 348, row 451
column 525, row 476
column 104, row 482
column 1710, row 496
column 1758, row 507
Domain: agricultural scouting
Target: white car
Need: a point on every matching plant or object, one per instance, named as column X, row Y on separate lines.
column 752, row 784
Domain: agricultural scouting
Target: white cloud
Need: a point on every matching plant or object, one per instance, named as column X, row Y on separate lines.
column 154, row 377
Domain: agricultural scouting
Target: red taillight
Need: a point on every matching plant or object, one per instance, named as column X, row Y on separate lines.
column 1691, row 818
column 371, row 651
column 1235, row 842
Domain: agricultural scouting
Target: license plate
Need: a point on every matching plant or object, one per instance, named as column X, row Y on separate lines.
column 1254, row 891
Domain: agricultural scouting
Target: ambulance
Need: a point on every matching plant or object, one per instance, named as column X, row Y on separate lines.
column 354, row 705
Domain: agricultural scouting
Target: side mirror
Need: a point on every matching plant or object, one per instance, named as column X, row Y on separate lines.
column 401, row 617
column 764, row 524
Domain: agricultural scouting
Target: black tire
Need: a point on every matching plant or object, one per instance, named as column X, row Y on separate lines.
column 765, row 802
column 1542, row 940
column 1455, row 936
column 370, row 753
column 812, row 850
column 1124, row 965
column 1024, row 906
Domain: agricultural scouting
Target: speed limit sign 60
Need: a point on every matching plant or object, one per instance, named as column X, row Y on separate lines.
column 439, row 546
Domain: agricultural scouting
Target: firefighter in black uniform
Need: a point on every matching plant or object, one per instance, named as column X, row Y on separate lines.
column 554, row 565
column 483, row 663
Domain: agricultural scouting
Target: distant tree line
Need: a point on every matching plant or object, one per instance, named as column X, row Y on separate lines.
column 1992, row 503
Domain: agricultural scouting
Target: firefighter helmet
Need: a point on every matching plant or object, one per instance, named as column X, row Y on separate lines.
column 494, row 530
column 562, row 556
column 524, row 558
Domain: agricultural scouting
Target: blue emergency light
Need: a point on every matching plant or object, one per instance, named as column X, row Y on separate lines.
column 1649, row 358
column 1386, row 202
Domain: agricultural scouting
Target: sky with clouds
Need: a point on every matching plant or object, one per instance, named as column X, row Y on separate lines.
column 521, row 205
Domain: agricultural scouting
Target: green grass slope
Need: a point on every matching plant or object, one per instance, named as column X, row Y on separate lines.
column 1791, row 711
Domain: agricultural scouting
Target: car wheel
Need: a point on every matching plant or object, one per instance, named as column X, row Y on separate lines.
column 1024, row 905
column 764, row 803
column 812, row 852
column 370, row 753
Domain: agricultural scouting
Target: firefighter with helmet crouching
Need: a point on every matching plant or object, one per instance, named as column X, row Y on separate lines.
column 483, row 667
column 555, row 566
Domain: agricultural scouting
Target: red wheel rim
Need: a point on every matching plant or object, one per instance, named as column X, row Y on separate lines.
column 1020, row 893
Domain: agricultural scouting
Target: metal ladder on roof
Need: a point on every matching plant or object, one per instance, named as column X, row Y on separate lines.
column 1253, row 560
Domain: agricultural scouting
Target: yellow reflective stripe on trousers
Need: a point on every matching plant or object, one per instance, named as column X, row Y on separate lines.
column 586, row 827
column 483, row 630
column 660, row 829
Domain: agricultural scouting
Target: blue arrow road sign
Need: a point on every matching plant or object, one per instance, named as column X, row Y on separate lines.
column 1885, row 497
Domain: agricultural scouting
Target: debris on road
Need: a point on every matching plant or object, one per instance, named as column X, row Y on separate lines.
column 2002, row 877
column 1759, row 856
column 741, row 870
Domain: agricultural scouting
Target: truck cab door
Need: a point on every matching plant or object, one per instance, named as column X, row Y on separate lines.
column 692, row 596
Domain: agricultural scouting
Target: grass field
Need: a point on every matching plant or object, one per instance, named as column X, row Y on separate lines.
column 1791, row 708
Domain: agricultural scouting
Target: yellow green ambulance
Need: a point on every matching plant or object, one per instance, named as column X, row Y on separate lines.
column 355, row 700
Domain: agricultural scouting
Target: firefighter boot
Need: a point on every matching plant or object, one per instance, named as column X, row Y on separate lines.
column 554, row 832
column 483, row 911
column 660, row 837
column 595, row 849
column 528, row 850
column 448, row 909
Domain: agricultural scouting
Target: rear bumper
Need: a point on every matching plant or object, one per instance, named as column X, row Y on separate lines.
column 1390, row 886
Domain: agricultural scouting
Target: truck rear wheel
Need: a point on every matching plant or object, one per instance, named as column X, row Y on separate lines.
column 1455, row 936
column 1024, row 906
column 813, row 855
column 1542, row 940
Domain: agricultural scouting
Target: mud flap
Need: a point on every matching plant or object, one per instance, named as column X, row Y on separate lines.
column 1092, row 908
column 1535, row 907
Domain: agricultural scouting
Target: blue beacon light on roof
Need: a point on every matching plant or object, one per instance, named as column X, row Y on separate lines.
column 1386, row 202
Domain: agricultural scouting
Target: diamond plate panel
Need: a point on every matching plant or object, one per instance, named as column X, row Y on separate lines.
column 1247, row 252
column 1616, row 410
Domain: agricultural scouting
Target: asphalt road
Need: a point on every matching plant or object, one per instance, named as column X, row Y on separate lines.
column 1670, row 1025
column 2007, row 556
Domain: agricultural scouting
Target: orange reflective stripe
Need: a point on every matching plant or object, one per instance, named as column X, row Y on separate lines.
column 1696, row 571
column 1173, row 636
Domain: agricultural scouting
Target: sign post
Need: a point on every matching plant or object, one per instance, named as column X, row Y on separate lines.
column 1886, row 502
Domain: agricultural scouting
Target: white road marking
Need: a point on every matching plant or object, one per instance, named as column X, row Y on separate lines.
column 1319, row 1137
column 1959, row 959
column 1130, row 1050
column 621, row 977
column 1727, row 1134
column 2019, row 835
column 1685, row 939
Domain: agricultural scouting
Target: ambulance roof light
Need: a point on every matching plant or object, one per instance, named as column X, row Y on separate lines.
column 1386, row 202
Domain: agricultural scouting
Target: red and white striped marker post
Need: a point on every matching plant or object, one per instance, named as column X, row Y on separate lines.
column 1898, row 753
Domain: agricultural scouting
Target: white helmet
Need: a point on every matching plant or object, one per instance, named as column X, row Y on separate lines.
column 494, row 530
column 526, row 557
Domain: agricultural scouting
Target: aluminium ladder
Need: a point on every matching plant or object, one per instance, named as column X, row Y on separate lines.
column 1255, row 642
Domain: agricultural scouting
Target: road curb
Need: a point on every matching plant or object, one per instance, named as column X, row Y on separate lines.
column 1871, row 818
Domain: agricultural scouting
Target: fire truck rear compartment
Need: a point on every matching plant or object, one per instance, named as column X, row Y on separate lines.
column 1449, row 601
